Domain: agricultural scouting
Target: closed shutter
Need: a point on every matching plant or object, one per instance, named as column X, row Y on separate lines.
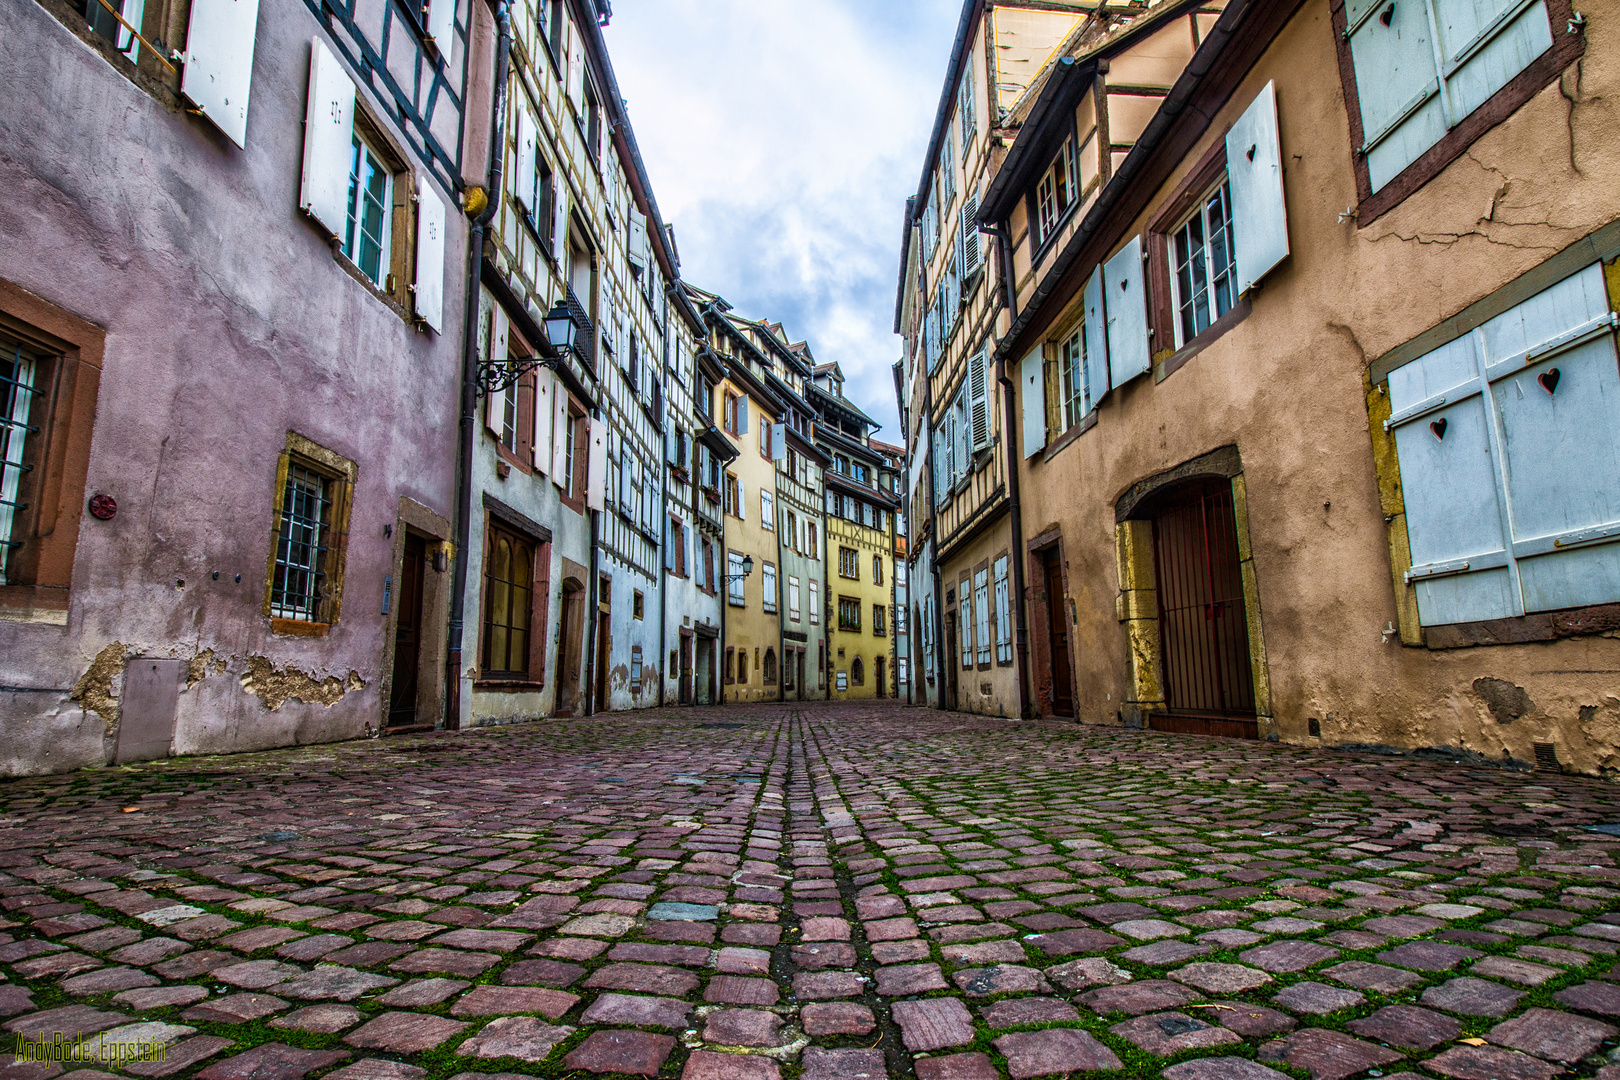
column 1032, row 386
column 936, row 457
column 218, row 75
column 1096, row 340
column 544, row 389
column 559, row 436
column 596, row 465
column 964, row 435
column 441, row 24
column 972, row 242
column 640, row 251
column 494, row 403
column 1126, row 309
column 1509, row 449
column 979, row 398
column 524, row 148
column 953, row 296
column 1254, row 169
column 742, row 501
column 328, row 140
column 742, row 415
column 1483, row 44
column 430, row 226
column 1396, row 83
column 576, row 69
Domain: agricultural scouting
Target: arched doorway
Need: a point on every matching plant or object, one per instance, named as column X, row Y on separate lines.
column 1204, row 652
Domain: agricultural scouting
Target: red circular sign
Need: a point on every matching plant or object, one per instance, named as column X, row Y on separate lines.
column 103, row 506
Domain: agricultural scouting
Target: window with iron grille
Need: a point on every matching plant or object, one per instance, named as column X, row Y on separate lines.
column 508, row 600
column 299, row 589
column 19, row 372
column 1203, row 277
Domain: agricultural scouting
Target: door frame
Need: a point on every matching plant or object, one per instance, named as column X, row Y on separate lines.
column 1048, row 545
column 433, row 644
column 1145, row 705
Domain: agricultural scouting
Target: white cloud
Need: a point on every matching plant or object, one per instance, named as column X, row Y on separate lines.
column 782, row 139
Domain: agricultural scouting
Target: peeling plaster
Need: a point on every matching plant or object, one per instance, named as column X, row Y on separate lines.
column 94, row 690
column 198, row 668
column 1506, row 701
column 276, row 687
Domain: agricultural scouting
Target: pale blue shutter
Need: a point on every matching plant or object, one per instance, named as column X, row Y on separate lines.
column 979, row 398
column 1254, row 170
column 1396, row 83
column 742, row 414
column 1126, row 309
column 1033, row 401
column 972, row 243
column 964, row 435
column 1096, row 340
column 1484, row 43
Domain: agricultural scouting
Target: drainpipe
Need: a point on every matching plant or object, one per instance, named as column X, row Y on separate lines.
column 469, row 363
column 663, row 501
column 940, row 659
column 595, row 607
column 1021, row 637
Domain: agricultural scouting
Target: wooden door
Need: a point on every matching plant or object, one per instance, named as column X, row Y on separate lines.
column 686, row 669
column 570, row 634
column 951, row 660
column 1057, row 635
column 408, row 633
column 1203, row 628
column 879, row 670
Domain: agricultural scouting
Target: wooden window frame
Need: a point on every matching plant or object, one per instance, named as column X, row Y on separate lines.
column 40, row 572
column 768, row 595
column 533, row 673
column 845, row 604
column 1540, row 73
column 1041, row 242
column 879, row 620
column 342, row 474
column 578, row 455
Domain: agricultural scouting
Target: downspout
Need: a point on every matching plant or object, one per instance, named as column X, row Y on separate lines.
column 469, row 362
column 663, row 500
column 940, row 659
column 595, row 607
column 1008, row 417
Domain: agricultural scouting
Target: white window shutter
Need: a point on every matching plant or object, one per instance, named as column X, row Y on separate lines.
column 742, row 415
column 1126, row 308
column 441, row 24
column 640, row 250
column 742, row 500
column 979, row 398
column 1254, row 167
column 544, row 387
column 964, row 434
column 430, row 225
column 1096, row 339
column 559, row 436
column 576, row 68
column 218, row 73
column 779, row 445
column 328, row 140
column 524, row 148
column 1396, row 84
column 596, row 465
column 1032, row 383
column 495, row 404
column 499, row 334
column 972, row 242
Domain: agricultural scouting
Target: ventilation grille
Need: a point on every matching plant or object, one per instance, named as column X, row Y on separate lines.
column 1546, row 756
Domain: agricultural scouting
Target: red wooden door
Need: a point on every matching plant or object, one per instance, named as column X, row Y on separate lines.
column 1203, row 629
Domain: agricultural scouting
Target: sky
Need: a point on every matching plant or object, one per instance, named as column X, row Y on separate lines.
column 782, row 138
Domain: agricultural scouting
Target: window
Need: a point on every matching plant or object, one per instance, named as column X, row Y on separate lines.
column 863, row 475
column 638, row 604
column 735, row 594
column 880, row 626
column 877, row 569
column 900, row 574
column 811, row 543
column 1076, row 388
column 1414, row 85
column 1004, row 647
column 965, row 627
column 767, row 433
column 966, row 108
column 731, row 663
column 742, row 665
column 728, row 414
column 857, row 672
column 821, row 665
column 769, row 668
column 555, row 28
column 768, row 581
column 793, row 531
column 1203, row 265
column 981, row 610
column 113, row 27
column 508, row 599
column 767, row 511
column 708, row 565
column 849, row 564
column 1057, row 191
column 733, row 496
column 303, row 561
column 635, row 667
column 815, row 602
column 366, row 237
column 676, row 559
column 593, row 120
column 19, row 380
column 794, row 608
column 849, row 613
column 1509, row 454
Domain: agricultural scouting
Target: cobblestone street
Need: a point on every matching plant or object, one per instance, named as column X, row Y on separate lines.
column 830, row 892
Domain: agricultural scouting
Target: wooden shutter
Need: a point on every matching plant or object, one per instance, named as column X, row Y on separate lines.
column 1254, row 169
column 559, row 436
column 1396, row 82
column 972, row 242
column 328, row 140
column 964, row 434
column 494, row 404
column 544, row 388
column 1032, row 387
column 441, row 24
column 1484, row 44
column 742, row 414
column 1126, row 309
column 524, row 147
column 596, row 467
column 1096, row 340
column 979, row 399
column 218, row 74
column 742, row 500
column 638, row 247
column 430, row 226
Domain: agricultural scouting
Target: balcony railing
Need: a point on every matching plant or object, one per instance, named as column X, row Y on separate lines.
column 585, row 342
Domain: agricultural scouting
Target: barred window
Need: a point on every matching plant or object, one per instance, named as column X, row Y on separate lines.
column 18, row 375
column 299, row 588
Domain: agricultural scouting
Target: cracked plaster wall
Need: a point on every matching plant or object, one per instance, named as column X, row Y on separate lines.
column 1285, row 385
column 228, row 323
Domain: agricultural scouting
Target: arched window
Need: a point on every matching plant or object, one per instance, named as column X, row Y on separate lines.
column 770, row 667
column 857, row 672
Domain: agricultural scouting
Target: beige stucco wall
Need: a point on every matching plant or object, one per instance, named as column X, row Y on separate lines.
column 1286, row 387
column 992, row 690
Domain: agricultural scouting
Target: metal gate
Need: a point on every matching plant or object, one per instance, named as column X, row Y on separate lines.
column 1203, row 631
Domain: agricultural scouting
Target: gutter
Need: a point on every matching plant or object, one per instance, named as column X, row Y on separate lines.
column 468, row 429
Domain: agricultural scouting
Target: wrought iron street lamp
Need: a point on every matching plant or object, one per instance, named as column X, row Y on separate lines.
column 748, row 568
column 562, row 333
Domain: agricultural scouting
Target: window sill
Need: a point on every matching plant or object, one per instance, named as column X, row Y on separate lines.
column 298, row 628
column 1087, row 422
column 1176, row 360
column 510, row 685
column 348, row 267
column 1520, row 629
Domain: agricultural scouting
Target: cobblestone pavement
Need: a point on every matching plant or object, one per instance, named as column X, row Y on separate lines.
column 830, row 892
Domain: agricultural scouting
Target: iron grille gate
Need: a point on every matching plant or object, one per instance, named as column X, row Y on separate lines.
column 18, row 371
column 1203, row 631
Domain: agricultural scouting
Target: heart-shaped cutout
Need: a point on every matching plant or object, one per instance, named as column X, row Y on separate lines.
column 1439, row 428
column 1548, row 380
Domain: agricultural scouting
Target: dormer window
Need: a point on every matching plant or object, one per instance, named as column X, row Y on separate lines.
column 1057, row 192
